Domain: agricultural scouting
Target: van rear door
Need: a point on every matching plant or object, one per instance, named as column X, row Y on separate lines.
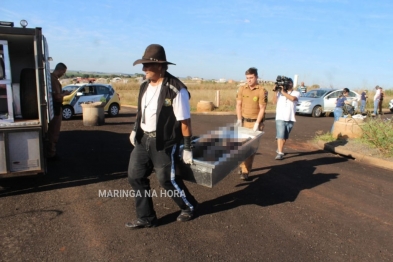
column 48, row 83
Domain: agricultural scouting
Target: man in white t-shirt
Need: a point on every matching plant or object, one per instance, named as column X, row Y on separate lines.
column 285, row 115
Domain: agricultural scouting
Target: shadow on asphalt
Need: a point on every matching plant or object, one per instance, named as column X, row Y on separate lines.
column 281, row 183
column 299, row 154
column 86, row 157
column 93, row 156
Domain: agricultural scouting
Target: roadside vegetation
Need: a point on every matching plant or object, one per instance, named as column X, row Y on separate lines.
column 325, row 137
column 379, row 134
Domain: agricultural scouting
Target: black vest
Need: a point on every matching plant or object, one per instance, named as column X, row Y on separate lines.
column 168, row 129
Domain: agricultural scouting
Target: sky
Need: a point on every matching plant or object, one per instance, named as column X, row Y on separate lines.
column 337, row 43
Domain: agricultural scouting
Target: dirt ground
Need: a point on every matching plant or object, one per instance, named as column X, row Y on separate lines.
column 311, row 206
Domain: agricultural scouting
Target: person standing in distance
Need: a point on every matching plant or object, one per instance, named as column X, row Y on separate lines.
column 285, row 115
column 363, row 101
column 250, row 110
column 163, row 119
column 380, row 101
column 55, row 124
column 340, row 103
column 377, row 97
column 302, row 89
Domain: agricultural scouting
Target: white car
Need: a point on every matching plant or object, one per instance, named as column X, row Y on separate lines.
column 391, row 105
column 81, row 93
column 322, row 100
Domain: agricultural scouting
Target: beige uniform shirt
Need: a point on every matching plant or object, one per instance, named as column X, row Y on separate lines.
column 251, row 99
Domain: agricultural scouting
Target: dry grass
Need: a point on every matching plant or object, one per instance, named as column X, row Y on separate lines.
column 199, row 91
column 207, row 91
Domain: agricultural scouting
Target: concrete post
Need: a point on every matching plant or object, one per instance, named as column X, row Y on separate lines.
column 295, row 82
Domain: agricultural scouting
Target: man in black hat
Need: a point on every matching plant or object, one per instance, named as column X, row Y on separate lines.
column 163, row 119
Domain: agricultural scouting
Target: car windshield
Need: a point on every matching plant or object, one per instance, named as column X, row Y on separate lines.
column 70, row 88
column 315, row 93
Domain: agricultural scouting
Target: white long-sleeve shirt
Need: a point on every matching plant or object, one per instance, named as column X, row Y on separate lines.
column 377, row 95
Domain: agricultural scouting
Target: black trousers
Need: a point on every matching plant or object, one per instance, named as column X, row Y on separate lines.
column 143, row 159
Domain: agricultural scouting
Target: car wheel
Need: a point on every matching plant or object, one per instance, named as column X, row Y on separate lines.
column 113, row 110
column 317, row 111
column 68, row 112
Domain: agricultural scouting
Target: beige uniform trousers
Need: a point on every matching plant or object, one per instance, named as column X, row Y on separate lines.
column 246, row 166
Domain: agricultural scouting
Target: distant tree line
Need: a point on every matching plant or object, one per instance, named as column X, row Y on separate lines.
column 71, row 74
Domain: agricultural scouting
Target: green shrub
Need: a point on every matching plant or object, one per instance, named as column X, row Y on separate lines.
column 325, row 137
column 379, row 133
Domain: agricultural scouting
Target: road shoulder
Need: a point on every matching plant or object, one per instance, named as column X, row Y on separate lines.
column 343, row 151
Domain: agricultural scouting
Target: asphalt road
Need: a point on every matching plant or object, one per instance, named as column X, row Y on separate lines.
column 311, row 206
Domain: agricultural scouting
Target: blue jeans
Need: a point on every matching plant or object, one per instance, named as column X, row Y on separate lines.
column 283, row 128
column 338, row 112
column 362, row 106
column 376, row 102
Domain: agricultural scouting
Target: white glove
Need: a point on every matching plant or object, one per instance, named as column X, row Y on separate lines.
column 187, row 156
column 256, row 127
column 132, row 137
column 238, row 123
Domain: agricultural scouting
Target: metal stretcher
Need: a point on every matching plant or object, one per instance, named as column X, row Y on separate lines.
column 217, row 154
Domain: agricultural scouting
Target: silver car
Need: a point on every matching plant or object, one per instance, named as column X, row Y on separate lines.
column 322, row 100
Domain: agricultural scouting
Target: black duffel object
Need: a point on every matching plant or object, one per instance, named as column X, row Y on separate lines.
column 348, row 109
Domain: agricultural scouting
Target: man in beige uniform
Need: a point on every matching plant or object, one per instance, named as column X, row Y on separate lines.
column 250, row 110
column 55, row 123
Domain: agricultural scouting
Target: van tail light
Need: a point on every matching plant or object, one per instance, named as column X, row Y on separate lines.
column 118, row 95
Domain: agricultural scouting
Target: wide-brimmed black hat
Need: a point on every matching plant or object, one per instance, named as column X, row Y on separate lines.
column 153, row 54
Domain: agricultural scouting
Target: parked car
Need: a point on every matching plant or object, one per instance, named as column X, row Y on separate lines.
column 391, row 105
column 81, row 93
column 319, row 101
